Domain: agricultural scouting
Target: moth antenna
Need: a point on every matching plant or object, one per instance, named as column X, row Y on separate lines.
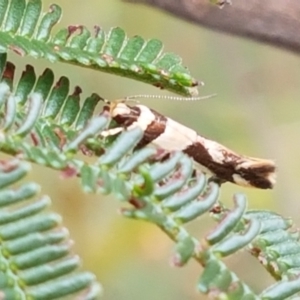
column 169, row 97
column 133, row 100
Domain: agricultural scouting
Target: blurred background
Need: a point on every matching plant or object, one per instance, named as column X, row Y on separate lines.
column 256, row 112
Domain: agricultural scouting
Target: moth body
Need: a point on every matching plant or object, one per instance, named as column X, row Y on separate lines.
column 210, row 156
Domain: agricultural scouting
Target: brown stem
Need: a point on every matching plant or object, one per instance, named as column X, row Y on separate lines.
column 276, row 22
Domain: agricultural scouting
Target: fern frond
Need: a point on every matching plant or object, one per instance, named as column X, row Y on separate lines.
column 26, row 31
column 151, row 188
column 277, row 247
column 36, row 259
column 44, row 125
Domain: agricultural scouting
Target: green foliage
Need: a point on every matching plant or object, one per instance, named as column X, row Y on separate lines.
column 44, row 123
column 36, row 258
column 27, row 32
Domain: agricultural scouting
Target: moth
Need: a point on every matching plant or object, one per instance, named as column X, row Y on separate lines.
column 211, row 157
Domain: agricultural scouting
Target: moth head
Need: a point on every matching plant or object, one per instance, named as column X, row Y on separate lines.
column 118, row 108
column 120, row 113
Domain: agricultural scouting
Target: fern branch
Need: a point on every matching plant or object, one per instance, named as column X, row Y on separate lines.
column 167, row 194
column 35, row 250
column 26, row 31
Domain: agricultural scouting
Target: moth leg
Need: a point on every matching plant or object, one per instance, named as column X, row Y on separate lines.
column 117, row 130
column 216, row 180
column 112, row 131
column 161, row 155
